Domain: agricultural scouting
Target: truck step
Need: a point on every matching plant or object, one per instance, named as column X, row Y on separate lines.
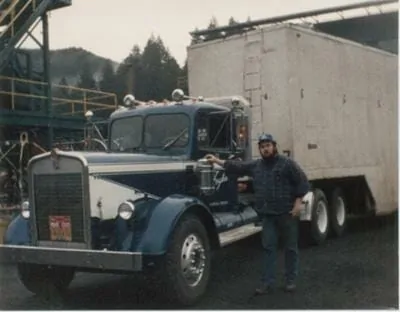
column 234, row 235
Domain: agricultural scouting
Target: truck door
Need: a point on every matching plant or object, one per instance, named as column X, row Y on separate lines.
column 214, row 134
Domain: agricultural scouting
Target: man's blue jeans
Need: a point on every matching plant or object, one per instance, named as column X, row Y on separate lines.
column 273, row 226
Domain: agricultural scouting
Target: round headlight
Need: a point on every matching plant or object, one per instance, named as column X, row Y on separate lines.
column 25, row 210
column 125, row 210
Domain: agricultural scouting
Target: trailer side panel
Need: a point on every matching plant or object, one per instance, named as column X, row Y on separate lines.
column 344, row 102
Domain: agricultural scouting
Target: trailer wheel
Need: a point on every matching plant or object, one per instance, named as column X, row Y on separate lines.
column 338, row 212
column 188, row 261
column 43, row 280
column 319, row 226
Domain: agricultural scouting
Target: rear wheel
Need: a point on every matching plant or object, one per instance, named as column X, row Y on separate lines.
column 338, row 212
column 44, row 280
column 188, row 261
column 319, row 226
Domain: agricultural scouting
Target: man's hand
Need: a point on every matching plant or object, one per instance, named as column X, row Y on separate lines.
column 242, row 187
column 214, row 160
column 211, row 158
column 296, row 208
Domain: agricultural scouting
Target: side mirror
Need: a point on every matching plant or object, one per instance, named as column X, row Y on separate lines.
column 240, row 136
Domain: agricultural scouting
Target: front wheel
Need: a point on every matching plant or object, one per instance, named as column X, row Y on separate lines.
column 44, row 280
column 188, row 261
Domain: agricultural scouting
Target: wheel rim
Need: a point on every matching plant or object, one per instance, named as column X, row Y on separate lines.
column 340, row 211
column 322, row 217
column 193, row 259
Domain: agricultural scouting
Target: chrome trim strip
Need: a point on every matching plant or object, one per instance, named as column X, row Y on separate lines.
column 86, row 206
column 57, row 244
column 239, row 233
column 139, row 167
column 61, row 153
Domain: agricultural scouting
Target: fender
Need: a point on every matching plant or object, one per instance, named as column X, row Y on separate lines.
column 17, row 232
column 163, row 221
column 125, row 239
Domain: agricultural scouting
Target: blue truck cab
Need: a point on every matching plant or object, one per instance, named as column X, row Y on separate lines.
column 149, row 204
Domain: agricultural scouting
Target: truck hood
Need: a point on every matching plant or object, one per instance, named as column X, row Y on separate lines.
column 114, row 176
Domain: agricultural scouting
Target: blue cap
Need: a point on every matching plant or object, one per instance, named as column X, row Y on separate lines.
column 266, row 137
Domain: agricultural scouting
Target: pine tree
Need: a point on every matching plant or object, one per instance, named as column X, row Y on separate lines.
column 149, row 75
column 183, row 82
column 107, row 82
column 63, row 93
column 152, row 69
column 63, row 81
column 212, row 25
column 195, row 39
column 232, row 22
column 64, row 90
column 128, row 76
column 86, row 80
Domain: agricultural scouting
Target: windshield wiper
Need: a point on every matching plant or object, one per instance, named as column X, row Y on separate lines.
column 171, row 143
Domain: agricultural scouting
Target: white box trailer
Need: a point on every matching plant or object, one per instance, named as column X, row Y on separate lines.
column 331, row 103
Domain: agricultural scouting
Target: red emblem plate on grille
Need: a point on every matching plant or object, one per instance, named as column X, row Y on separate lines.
column 60, row 228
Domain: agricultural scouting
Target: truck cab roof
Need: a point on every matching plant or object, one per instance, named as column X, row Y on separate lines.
column 188, row 107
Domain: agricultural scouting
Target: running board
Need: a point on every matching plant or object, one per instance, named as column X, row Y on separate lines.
column 234, row 235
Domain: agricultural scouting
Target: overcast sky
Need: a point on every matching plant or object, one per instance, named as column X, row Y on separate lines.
column 112, row 30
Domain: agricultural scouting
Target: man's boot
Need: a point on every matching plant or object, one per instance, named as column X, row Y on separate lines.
column 290, row 287
column 263, row 289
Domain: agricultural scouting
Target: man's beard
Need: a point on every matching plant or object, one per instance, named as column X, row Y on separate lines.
column 269, row 156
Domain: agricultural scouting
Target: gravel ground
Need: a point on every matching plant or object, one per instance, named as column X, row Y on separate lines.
column 357, row 271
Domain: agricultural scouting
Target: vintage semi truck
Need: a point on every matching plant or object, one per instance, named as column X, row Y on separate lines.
column 152, row 204
column 149, row 204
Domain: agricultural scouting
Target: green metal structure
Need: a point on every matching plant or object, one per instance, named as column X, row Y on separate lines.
column 35, row 113
column 28, row 98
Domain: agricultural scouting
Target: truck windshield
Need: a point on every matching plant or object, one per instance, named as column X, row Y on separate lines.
column 126, row 134
column 155, row 132
column 166, row 131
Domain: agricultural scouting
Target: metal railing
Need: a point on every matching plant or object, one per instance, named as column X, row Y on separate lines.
column 14, row 14
column 66, row 100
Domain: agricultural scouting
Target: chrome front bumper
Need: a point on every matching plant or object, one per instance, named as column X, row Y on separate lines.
column 79, row 258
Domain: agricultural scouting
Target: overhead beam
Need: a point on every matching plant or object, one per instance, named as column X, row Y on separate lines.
column 282, row 18
column 371, row 28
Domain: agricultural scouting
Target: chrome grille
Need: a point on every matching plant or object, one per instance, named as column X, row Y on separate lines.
column 59, row 195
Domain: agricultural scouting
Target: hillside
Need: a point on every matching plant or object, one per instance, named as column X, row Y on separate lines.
column 68, row 63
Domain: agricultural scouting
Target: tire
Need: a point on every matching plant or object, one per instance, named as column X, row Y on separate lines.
column 43, row 280
column 319, row 226
column 189, row 242
column 338, row 212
